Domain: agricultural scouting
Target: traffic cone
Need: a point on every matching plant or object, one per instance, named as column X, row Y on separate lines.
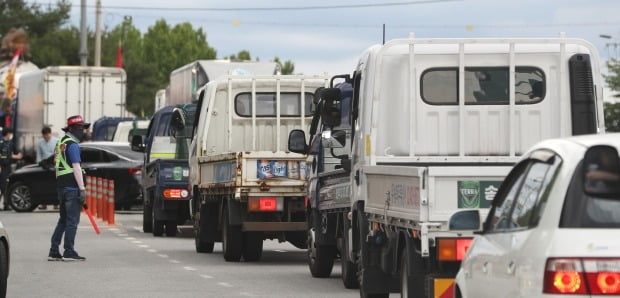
column 111, row 202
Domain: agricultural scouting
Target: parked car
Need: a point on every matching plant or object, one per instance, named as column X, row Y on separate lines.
column 553, row 228
column 4, row 260
column 32, row 185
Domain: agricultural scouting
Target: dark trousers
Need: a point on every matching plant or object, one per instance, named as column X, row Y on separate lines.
column 70, row 208
column 4, row 174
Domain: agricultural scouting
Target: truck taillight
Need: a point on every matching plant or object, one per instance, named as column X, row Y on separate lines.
column 135, row 171
column 452, row 249
column 174, row 193
column 591, row 276
column 265, row 204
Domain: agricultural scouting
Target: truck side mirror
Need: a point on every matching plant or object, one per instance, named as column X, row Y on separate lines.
column 137, row 144
column 331, row 109
column 601, row 172
column 297, row 141
column 333, row 138
column 177, row 121
column 465, row 220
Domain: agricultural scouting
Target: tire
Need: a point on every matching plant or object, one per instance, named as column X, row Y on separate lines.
column 348, row 268
column 171, row 228
column 20, row 198
column 252, row 246
column 200, row 222
column 232, row 240
column 147, row 218
column 4, row 268
column 406, row 283
column 158, row 226
column 320, row 257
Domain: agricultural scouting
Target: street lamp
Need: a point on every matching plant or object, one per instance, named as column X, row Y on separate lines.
column 609, row 44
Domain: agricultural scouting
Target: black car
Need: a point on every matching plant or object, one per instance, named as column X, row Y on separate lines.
column 32, row 185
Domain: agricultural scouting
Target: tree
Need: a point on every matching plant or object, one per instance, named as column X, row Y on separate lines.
column 612, row 110
column 286, row 68
column 57, row 47
column 612, row 117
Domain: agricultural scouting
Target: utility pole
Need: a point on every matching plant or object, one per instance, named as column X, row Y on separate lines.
column 98, row 35
column 83, row 35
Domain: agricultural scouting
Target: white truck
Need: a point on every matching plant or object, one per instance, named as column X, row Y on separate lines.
column 246, row 186
column 160, row 99
column 185, row 80
column 47, row 97
column 431, row 129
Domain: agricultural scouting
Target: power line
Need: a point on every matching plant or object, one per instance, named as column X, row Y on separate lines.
column 317, row 7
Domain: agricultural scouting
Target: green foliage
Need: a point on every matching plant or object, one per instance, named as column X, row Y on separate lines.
column 612, row 117
column 57, row 47
column 286, row 68
column 32, row 17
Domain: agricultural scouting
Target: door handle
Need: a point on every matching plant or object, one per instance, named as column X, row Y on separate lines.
column 511, row 268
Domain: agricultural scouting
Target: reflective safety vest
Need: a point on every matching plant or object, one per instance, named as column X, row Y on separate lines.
column 61, row 165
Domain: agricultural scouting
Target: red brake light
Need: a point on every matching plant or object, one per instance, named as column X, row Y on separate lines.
column 268, row 204
column 462, row 245
column 136, row 170
column 593, row 276
column 452, row 249
column 265, row 204
column 173, row 193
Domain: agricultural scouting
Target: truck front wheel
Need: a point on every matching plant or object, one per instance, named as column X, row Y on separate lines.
column 232, row 240
column 320, row 257
column 200, row 226
column 349, row 269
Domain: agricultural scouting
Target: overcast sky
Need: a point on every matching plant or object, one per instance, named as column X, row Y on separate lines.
column 330, row 40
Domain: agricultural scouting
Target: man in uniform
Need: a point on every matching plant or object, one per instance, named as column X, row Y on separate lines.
column 7, row 155
column 70, row 188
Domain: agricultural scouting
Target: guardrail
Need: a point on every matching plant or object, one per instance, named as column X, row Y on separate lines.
column 100, row 198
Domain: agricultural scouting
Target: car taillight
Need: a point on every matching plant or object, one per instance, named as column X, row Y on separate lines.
column 592, row 276
column 135, row 171
column 452, row 249
column 265, row 204
column 174, row 193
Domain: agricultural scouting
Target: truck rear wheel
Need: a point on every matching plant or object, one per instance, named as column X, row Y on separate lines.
column 147, row 218
column 320, row 257
column 232, row 240
column 200, row 225
column 252, row 246
column 171, row 228
column 158, row 225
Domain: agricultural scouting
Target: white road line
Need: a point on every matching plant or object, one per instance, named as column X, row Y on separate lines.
column 136, row 241
column 130, row 238
column 152, row 250
column 188, row 268
column 279, row 250
column 246, row 294
column 206, row 276
column 115, row 230
column 163, row 256
column 123, row 235
column 225, row 284
column 144, row 246
column 138, row 229
column 174, row 261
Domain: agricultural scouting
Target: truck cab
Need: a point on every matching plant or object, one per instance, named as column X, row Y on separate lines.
column 165, row 173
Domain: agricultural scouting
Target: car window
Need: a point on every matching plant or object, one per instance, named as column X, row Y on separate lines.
column 583, row 211
column 109, row 157
column 502, row 203
column 90, row 155
column 533, row 194
column 162, row 126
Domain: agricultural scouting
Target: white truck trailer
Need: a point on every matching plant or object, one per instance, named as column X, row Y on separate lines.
column 185, row 80
column 434, row 126
column 47, row 97
column 246, row 186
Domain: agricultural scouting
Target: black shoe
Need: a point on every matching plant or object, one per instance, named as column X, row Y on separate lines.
column 54, row 256
column 73, row 257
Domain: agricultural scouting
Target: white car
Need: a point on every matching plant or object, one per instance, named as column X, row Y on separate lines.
column 553, row 229
column 4, row 260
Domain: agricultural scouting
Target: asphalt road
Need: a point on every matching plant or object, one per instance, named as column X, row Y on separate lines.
column 125, row 262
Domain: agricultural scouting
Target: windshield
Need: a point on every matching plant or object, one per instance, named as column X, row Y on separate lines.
column 583, row 211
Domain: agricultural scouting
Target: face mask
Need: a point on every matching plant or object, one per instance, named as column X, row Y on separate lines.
column 79, row 134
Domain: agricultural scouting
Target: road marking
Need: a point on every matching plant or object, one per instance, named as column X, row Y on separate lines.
column 189, row 268
column 123, row 235
column 206, row 276
column 152, row 250
column 137, row 228
column 144, row 246
column 163, row 256
column 247, row 294
column 174, row 261
column 115, row 230
column 279, row 250
column 130, row 238
column 136, row 241
column 225, row 284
